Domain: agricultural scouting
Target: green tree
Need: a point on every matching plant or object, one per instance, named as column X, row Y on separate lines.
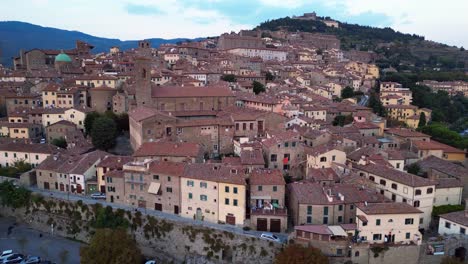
column 89, row 121
column 376, row 105
column 22, row 166
column 422, row 119
column 295, row 254
column 342, row 120
column 60, row 142
column 228, row 78
column 414, row 169
column 269, row 76
column 111, row 246
column 104, row 133
column 258, row 87
column 123, row 122
column 347, row 92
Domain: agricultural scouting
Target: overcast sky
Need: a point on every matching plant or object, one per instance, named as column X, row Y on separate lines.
column 442, row 21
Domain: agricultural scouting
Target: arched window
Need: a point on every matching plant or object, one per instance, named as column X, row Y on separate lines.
column 356, row 254
column 371, row 178
column 416, row 203
column 394, row 186
column 143, row 74
column 417, row 192
column 429, row 190
column 383, row 182
column 323, row 159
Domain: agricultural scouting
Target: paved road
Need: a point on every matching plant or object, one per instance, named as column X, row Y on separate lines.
column 159, row 214
column 47, row 247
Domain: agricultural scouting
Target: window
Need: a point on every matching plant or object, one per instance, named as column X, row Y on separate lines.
column 333, row 158
column 383, row 182
column 169, row 189
column 273, row 157
column 237, row 126
column 244, row 126
column 309, row 210
column 340, row 219
column 416, row 203
column 132, row 186
column 226, row 189
column 286, row 144
column 190, row 183
column 309, row 219
column 251, row 126
column 325, row 220
column 372, row 178
column 203, row 197
column 275, row 188
column 447, row 225
column 168, row 178
column 234, row 202
column 398, row 165
column 393, row 197
column 394, row 186
column 377, row 237
column 429, row 190
column 260, row 188
column 203, row 185
column 409, row 221
column 462, row 230
column 226, row 201
column 190, row 195
column 141, row 187
column 234, row 190
column 325, row 210
column 377, row 222
column 356, row 254
column 323, row 159
column 417, row 192
column 407, row 235
column 340, row 207
column 351, row 207
column 293, row 144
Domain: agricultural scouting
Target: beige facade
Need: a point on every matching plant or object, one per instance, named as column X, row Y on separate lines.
column 324, row 159
column 385, row 226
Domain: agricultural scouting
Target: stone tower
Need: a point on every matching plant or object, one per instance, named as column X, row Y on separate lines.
column 143, row 81
column 144, row 48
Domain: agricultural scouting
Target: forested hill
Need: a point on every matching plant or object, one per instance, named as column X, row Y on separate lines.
column 15, row 35
column 406, row 52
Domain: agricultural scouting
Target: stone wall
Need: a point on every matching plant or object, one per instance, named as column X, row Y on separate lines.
column 165, row 240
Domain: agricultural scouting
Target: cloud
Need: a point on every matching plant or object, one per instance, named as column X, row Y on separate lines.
column 142, row 9
column 289, row 4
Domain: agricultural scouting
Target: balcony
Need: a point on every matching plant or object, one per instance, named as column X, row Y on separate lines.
column 267, row 211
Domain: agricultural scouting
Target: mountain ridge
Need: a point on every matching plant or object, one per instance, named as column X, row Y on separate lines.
column 17, row 35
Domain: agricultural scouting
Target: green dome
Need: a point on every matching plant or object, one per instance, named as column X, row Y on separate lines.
column 62, row 57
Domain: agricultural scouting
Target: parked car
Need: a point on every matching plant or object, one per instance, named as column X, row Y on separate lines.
column 150, row 262
column 98, row 195
column 270, row 237
column 43, row 141
column 13, row 258
column 6, row 253
column 31, row 260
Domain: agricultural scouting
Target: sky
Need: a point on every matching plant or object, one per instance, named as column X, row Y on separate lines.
column 441, row 21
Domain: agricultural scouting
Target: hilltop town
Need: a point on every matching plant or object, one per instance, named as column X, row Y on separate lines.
column 270, row 131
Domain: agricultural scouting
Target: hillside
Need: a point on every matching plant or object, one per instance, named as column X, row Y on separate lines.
column 19, row 35
column 406, row 52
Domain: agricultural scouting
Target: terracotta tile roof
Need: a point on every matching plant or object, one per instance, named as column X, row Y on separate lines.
column 316, row 229
column 252, row 157
column 394, row 175
column 174, row 149
column 445, row 166
column 315, row 151
column 388, row 208
column 179, row 91
column 308, row 192
column 281, row 137
column 448, row 183
column 459, row 217
column 266, row 177
column 18, row 146
column 167, row 167
column 141, row 113
column 403, row 132
column 215, row 173
column 434, row 145
column 114, row 162
column 326, row 174
column 231, row 161
column 63, row 123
